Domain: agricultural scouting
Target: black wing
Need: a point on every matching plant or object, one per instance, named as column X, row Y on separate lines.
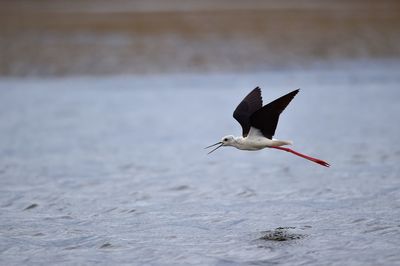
column 251, row 103
column 266, row 118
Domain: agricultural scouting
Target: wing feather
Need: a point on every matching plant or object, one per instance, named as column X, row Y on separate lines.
column 266, row 118
column 250, row 104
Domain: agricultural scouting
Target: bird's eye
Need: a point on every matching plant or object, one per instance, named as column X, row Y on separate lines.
column 225, row 139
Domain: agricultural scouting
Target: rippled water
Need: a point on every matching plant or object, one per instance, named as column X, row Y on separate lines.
column 112, row 171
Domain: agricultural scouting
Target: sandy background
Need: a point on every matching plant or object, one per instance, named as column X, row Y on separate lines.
column 43, row 38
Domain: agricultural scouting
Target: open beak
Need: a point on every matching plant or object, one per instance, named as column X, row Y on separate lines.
column 218, row 143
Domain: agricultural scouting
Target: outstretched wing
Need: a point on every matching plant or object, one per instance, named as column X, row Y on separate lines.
column 250, row 104
column 266, row 118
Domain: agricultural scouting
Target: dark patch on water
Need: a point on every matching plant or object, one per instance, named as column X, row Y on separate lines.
column 32, row 206
column 281, row 234
column 247, row 193
column 72, row 247
column 106, row 245
column 180, row 188
column 359, row 220
column 110, row 210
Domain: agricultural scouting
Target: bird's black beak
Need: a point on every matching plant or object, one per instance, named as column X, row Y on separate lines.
column 218, row 143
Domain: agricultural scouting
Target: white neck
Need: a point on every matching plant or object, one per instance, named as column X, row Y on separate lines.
column 238, row 142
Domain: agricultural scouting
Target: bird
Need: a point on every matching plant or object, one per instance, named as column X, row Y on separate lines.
column 259, row 123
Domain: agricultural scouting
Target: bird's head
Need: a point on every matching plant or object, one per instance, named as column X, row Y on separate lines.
column 225, row 141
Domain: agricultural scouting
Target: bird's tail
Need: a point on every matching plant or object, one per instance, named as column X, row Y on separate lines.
column 278, row 142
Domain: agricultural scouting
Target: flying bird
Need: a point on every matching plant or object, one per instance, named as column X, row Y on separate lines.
column 259, row 124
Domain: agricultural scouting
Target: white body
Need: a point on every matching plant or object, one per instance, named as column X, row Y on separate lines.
column 254, row 141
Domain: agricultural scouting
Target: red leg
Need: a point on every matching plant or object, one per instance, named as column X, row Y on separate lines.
column 315, row 160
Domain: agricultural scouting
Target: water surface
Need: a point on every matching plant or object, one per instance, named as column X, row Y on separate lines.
column 112, row 171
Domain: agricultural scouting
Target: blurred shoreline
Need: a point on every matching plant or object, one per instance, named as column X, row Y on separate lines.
column 60, row 38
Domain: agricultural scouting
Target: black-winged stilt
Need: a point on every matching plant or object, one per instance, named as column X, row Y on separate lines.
column 259, row 124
